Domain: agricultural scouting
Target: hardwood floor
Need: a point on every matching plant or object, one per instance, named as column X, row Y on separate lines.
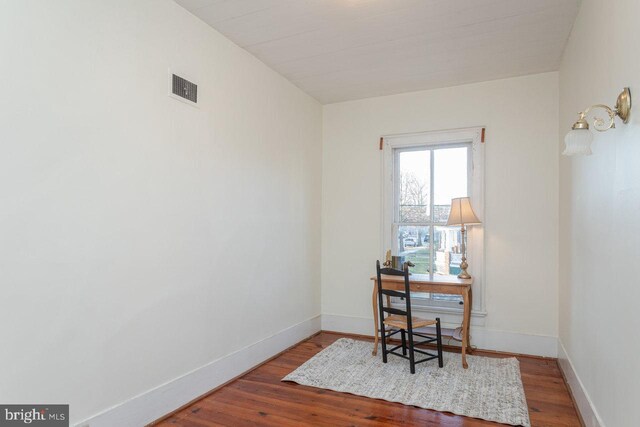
column 260, row 398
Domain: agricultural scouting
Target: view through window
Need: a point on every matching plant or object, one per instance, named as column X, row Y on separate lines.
column 426, row 179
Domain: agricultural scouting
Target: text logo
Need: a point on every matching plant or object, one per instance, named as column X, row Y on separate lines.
column 34, row 415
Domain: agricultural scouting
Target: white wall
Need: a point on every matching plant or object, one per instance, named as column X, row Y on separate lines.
column 141, row 238
column 600, row 209
column 521, row 199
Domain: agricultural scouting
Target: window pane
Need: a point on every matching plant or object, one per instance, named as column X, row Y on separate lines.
column 447, row 247
column 414, row 187
column 413, row 244
column 449, row 179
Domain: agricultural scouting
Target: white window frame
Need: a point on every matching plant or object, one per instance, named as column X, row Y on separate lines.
column 475, row 234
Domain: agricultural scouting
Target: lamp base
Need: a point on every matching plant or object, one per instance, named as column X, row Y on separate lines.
column 463, row 266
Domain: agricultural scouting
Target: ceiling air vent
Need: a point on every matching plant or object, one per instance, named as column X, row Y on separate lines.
column 183, row 89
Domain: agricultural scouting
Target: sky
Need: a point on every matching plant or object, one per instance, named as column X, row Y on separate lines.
column 450, row 171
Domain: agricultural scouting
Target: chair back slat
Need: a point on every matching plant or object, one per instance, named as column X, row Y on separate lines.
column 393, row 293
column 391, row 272
column 392, row 310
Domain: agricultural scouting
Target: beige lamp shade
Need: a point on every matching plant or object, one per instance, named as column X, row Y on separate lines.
column 462, row 212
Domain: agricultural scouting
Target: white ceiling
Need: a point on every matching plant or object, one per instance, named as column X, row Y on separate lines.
column 337, row 50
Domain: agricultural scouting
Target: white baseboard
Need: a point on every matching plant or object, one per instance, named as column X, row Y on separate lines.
column 481, row 337
column 155, row 403
column 588, row 412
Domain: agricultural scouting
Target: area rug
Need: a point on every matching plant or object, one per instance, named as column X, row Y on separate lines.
column 490, row 389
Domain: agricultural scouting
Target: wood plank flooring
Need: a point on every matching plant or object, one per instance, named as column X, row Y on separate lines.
column 259, row 398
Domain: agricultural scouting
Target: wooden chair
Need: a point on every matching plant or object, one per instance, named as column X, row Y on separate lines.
column 401, row 321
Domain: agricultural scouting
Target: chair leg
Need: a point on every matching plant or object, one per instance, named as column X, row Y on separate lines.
column 404, row 342
column 384, row 346
column 439, row 342
column 412, row 361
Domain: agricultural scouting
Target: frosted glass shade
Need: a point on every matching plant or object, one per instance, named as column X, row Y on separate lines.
column 461, row 212
column 578, row 142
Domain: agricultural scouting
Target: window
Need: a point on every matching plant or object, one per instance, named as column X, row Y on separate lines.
column 423, row 172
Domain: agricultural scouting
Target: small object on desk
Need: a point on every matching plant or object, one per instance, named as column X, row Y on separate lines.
column 387, row 259
column 397, row 262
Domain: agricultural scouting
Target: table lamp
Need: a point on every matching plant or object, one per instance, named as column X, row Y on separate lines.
column 462, row 214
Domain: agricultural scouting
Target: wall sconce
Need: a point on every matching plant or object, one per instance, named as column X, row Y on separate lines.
column 578, row 139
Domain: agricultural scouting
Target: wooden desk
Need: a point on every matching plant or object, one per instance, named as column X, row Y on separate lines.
column 428, row 284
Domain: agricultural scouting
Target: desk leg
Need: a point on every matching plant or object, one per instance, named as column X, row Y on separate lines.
column 374, row 300
column 465, row 326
